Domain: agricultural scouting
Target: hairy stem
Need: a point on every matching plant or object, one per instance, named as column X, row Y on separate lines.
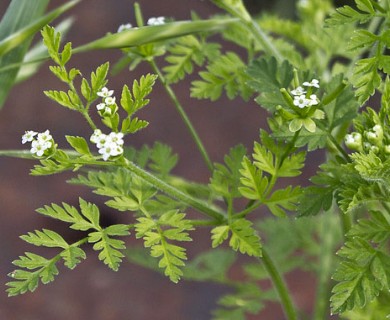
column 280, row 286
column 183, row 114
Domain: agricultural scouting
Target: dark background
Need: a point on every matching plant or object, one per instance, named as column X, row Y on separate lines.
column 92, row 291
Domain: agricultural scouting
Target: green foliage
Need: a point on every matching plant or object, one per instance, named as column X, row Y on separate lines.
column 361, row 276
column 367, row 75
column 171, row 226
column 226, row 177
column 247, row 299
column 312, row 81
column 267, row 77
column 282, row 200
column 253, row 183
column 162, row 160
column 347, row 14
column 227, row 72
column 186, row 52
column 243, row 237
column 132, row 102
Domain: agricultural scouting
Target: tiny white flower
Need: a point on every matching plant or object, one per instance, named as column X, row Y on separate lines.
column 95, row 135
column 116, row 138
column 116, row 150
column 28, row 136
column 301, row 101
column 101, row 140
column 104, row 93
column 109, row 100
column 312, row 83
column 38, row 148
column 298, row 91
column 108, row 150
column 156, row 21
column 101, row 106
column 44, row 136
column 124, row 27
column 313, row 100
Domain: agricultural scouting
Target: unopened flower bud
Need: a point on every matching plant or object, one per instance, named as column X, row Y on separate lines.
column 354, row 141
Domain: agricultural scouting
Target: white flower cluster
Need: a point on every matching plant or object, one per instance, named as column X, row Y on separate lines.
column 40, row 142
column 153, row 21
column 110, row 145
column 124, row 27
column 300, row 98
column 107, row 107
column 156, row 21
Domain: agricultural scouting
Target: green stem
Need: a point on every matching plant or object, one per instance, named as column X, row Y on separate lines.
column 339, row 148
column 173, row 192
column 183, row 114
column 280, row 286
column 329, row 226
column 89, row 120
column 238, row 10
column 262, row 38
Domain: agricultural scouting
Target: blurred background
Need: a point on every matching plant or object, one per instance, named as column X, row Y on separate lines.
column 92, row 291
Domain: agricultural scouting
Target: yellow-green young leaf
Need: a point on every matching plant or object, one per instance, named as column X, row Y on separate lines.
column 291, row 165
column 108, row 247
column 72, row 256
column 133, row 125
column 218, row 235
column 98, row 79
column 66, row 53
column 60, row 97
column 126, row 203
column 284, row 200
column 46, row 238
column 244, row 238
column 91, row 212
column 264, row 159
column 253, row 183
column 79, row 144
column 127, row 100
column 59, row 73
column 86, row 90
column 24, row 281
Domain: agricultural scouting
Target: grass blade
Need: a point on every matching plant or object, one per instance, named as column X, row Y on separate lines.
column 21, row 21
column 139, row 36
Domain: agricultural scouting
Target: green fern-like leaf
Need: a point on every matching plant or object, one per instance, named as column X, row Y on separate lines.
column 226, row 177
column 361, row 276
column 243, row 237
column 283, row 199
column 267, row 77
column 227, row 72
column 46, row 238
column 24, row 280
column 366, row 78
column 109, row 247
column 346, row 14
column 253, row 183
column 171, row 226
column 184, row 53
column 376, row 229
column 162, row 159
